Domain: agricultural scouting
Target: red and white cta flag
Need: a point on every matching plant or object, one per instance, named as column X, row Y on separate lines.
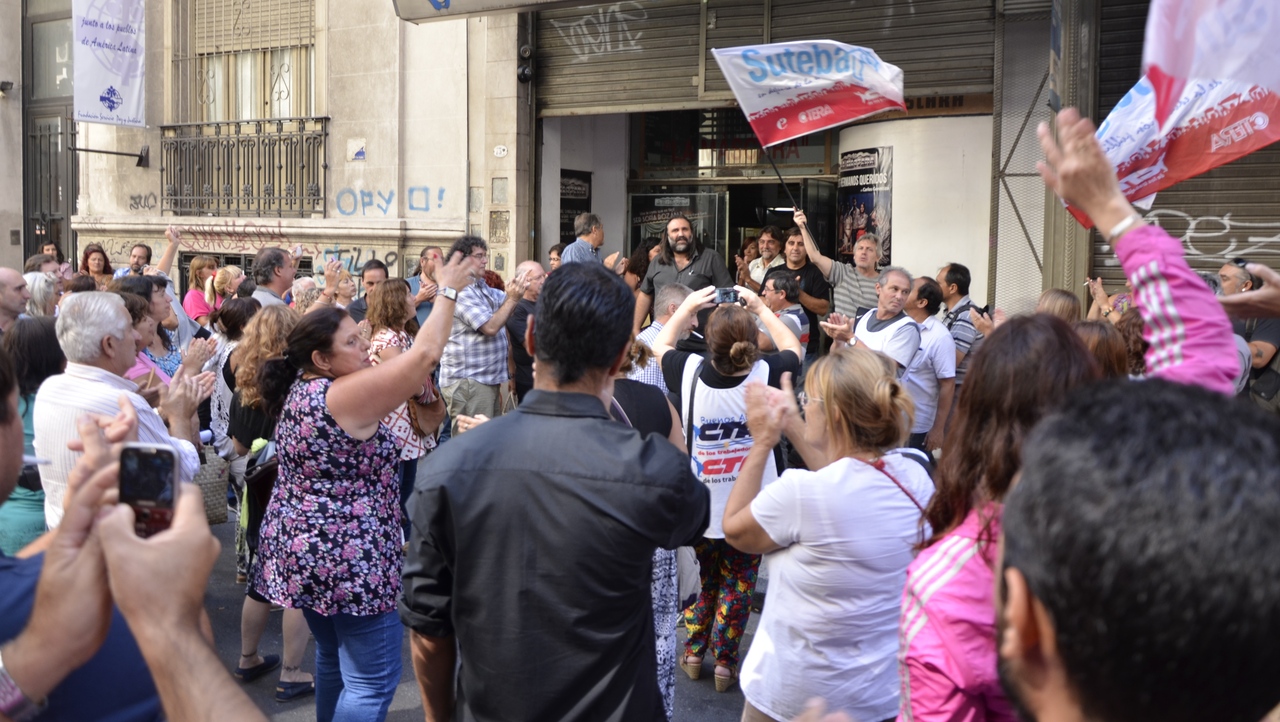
column 787, row 90
column 1229, row 40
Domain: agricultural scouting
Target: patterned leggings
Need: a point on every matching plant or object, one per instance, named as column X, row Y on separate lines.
column 720, row 614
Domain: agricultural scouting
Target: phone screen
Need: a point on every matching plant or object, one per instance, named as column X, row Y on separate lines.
column 146, row 477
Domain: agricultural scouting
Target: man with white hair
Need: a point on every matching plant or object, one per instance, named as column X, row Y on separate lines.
column 100, row 343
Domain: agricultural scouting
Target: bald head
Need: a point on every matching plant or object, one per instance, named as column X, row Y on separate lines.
column 14, row 295
column 533, row 271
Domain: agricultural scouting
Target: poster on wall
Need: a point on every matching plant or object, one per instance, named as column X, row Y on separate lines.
column 575, row 198
column 651, row 211
column 865, row 199
column 108, row 60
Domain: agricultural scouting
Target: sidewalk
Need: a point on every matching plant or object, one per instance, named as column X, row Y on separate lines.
column 695, row 701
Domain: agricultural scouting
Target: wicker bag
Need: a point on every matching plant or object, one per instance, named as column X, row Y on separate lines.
column 212, row 480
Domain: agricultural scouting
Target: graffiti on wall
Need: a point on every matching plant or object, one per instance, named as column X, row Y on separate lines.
column 353, row 258
column 419, row 199
column 143, row 202
column 1252, row 240
column 606, row 31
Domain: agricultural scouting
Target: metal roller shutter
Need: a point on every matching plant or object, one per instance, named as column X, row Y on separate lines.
column 656, row 55
column 942, row 46
column 1233, row 210
column 730, row 23
column 619, row 58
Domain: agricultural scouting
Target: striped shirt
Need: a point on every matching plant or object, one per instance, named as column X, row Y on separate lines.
column 470, row 354
column 963, row 332
column 851, row 290
column 83, row 389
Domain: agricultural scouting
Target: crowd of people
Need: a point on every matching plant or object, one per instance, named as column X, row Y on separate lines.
column 962, row 515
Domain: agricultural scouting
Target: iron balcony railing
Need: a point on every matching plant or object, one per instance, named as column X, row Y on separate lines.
column 273, row 167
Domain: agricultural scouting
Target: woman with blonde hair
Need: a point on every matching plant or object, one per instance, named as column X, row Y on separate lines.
column 344, row 292
column 46, row 291
column 201, row 271
column 1060, row 303
column 837, row 539
column 222, row 285
column 713, row 406
column 393, row 319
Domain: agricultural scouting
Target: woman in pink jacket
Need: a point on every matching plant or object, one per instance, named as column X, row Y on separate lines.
column 947, row 636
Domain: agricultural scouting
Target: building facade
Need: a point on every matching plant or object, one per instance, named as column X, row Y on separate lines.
column 346, row 130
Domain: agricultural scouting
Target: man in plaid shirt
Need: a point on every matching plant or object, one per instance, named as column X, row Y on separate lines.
column 667, row 301
column 474, row 365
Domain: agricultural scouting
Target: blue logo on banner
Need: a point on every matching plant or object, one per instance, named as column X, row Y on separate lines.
column 111, row 98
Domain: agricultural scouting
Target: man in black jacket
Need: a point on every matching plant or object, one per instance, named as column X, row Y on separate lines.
column 533, row 534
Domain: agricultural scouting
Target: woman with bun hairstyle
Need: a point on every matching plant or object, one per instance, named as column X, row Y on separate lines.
column 837, row 539
column 713, row 406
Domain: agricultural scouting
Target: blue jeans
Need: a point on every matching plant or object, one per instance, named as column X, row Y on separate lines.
column 357, row 665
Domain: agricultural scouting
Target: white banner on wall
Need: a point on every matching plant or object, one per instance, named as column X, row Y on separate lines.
column 109, row 61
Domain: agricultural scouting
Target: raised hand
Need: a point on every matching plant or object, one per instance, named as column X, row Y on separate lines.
column 332, row 272
column 459, row 272
column 750, row 300
column 1076, row 169
column 159, row 582
column 1262, row 303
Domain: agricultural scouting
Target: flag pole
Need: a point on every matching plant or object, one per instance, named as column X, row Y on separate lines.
column 780, row 179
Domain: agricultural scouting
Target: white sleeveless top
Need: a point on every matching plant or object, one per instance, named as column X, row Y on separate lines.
column 721, row 440
column 878, row 340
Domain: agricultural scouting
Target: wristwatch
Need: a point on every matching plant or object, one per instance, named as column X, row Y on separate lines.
column 13, row 703
column 448, row 293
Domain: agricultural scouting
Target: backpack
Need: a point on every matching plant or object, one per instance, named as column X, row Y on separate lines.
column 1265, row 389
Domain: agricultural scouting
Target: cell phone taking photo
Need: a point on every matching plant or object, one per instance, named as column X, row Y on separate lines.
column 726, row 295
column 148, row 477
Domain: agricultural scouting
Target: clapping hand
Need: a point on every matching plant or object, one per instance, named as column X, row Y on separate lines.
column 766, row 414
column 516, row 286
column 426, row 293
column 839, row 327
column 198, row 353
column 182, row 397
column 986, row 324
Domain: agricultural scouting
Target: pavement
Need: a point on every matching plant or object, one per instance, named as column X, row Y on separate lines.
column 695, row 701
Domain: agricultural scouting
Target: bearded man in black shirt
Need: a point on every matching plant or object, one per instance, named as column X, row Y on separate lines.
column 533, row 534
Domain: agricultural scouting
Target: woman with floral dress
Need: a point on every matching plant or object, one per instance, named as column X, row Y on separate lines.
column 330, row 542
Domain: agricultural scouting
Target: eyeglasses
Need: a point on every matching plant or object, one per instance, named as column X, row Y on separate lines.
column 482, row 254
column 804, row 399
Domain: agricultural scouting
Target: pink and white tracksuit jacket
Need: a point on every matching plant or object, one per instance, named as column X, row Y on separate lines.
column 947, row 635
